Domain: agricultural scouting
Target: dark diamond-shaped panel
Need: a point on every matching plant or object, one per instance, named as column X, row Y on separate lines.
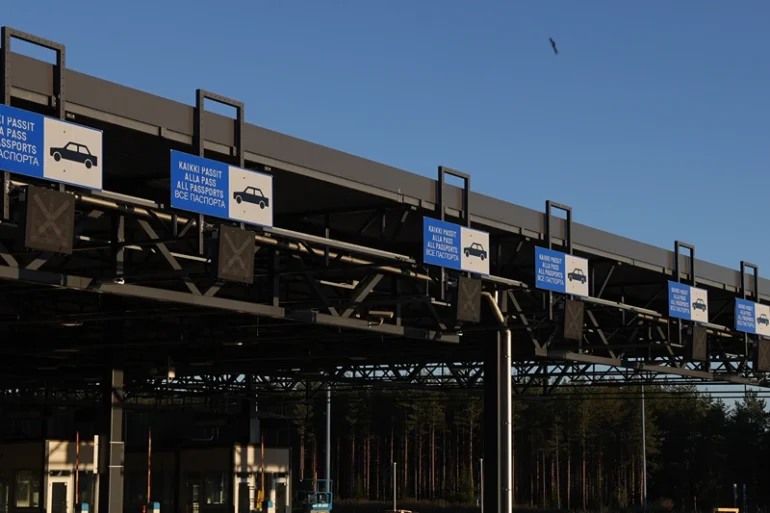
column 468, row 299
column 762, row 357
column 235, row 255
column 49, row 220
column 699, row 344
column 573, row 319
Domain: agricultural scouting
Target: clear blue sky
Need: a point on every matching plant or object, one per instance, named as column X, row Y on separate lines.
column 653, row 121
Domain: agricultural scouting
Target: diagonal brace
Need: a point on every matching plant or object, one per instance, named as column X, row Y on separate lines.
column 362, row 291
column 167, row 255
column 523, row 319
column 7, row 256
column 44, row 257
column 600, row 332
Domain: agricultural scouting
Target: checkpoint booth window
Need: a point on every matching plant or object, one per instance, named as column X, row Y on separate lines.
column 27, row 490
column 212, row 479
column 215, row 488
column 203, row 470
column 163, row 480
column 21, row 477
column 5, row 494
column 135, row 485
column 87, row 486
column 40, row 476
column 207, row 491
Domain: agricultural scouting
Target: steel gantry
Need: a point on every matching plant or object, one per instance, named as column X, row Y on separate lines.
column 339, row 281
column 129, row 307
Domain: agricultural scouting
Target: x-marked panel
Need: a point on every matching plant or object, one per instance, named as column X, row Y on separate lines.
column 235, row 255
column 49, row 220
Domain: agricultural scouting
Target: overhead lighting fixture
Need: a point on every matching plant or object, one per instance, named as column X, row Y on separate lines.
column 72, row 324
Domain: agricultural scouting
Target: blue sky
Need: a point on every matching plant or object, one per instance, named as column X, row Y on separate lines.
column 652, row 122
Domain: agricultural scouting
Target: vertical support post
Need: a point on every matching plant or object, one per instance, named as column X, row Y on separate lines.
column 149, row 466
column 395, row 486
column 274, row 274
column 481, row 483
column 505, row 416
column 549, row 206
column 492, row 456
column 57, row 100
column 644, row 457
column 77, row 468
column 200, row 114
column 465, row 209
column 118, row 250
column 327, row 230
column 678, row 245
column 111, row 488
column 328, row 469
column 247, row 437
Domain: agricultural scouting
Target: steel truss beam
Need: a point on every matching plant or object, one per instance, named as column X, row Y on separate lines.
column 150, row 247
column 535, row 377
column 133, row 248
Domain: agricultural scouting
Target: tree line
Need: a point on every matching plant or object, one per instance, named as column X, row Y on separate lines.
column 576, row 448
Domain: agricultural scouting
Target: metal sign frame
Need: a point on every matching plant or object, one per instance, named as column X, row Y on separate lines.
column 57, row 100
column 201, row 96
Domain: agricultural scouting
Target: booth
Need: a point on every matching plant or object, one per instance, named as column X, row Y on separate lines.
column 41, row 475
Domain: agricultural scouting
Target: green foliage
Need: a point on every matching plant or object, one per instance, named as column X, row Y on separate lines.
column 465, row 495
column 578, row 447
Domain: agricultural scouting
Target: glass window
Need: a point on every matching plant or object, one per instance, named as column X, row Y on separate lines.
column 215, row 488
column 86, row 485
column 27, row 489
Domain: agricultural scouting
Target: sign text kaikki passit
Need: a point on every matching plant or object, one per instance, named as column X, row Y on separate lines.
column 551, row 269
column 200, row 184
column 13, row 140
column 442, row 243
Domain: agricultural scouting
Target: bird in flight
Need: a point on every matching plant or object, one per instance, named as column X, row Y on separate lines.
column 553, row 45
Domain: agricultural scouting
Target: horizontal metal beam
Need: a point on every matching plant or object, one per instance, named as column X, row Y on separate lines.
column 143, row 112
column 387, row 329
column 235, row 306
column 150, row 210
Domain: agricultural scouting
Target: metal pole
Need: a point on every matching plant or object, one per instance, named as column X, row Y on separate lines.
column 262, row 467
column 505, row 414
column 328, row 437
column 644, row 457
column 149, row 465
column 481, row 482
column 77, row 467
column 395, row 486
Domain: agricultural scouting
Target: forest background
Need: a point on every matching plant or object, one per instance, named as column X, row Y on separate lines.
column 578, row 448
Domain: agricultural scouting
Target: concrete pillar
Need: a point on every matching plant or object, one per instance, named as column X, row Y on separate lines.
column 491, row 426
column 111, row 445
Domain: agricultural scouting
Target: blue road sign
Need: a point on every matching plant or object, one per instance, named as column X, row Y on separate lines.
column 751, row 317
column 38, row 146
column 560, row 272
column 688, row 303
column 217, row 189
column 455, row 247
